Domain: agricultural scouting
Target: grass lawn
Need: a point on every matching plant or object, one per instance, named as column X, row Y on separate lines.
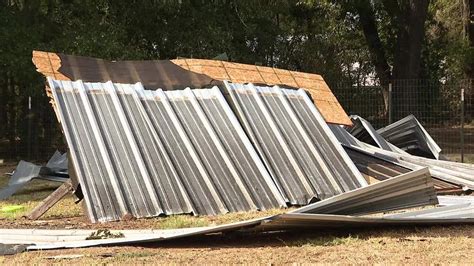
column 454, row 244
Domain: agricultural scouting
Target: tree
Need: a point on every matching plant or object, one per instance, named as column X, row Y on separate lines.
column 407, row 19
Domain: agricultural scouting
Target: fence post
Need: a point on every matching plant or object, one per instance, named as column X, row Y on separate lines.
column 29, row 128
column 462, row 122
column 389, row 103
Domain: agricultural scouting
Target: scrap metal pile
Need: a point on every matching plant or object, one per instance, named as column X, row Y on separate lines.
column 235, row 147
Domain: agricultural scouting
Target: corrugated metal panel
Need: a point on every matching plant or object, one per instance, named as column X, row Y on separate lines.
column 452, row 172
column 409, row 135
column 364, row 131
column 294, row 142
column 301, row 221
column 227, row 154
column 455, row 200
column 146, row 153
column 408, row 190
column 139, row 237
column 458, row 211
column 289, row 221
column 375, row 168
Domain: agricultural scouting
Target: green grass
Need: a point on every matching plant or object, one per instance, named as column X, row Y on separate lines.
column 37, row 190
column 32, row 194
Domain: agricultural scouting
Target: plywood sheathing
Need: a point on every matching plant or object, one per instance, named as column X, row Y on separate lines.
column 323, row 98
column 48, row 65
column 201, row 71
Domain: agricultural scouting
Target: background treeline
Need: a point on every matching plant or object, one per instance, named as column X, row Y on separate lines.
column 345, row 41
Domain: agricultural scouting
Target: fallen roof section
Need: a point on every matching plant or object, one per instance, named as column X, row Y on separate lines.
column 57, row 239
column 408, row 190
column 377, row 169
column 457, row 211
column 409, row 135
column 364, row 131
column 144, row 153
column 455, row 200
column 461, row 174
column 182, row 73
column 295, row 143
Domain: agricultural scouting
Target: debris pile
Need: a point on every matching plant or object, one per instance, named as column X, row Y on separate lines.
column 138, row 151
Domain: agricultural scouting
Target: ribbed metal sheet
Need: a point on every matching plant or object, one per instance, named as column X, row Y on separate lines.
column 376, row 168
column 227, row 154
column 302, row 221
column 364, row 131
column 455, row 200
column 461, row 174
column 291, row 221
column 296, row 145
column 404, row 191
column 409, row 135
column 146, row 153
column 458, row 211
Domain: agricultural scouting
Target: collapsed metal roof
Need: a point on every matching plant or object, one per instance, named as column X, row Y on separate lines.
column 145, row 153
column 455, row 173
column 364, row 131
column 55, row 239
column 295, row 143
column 409, row 135
column 408, row 190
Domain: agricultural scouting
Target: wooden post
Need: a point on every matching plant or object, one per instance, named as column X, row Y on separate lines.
column 50, row 201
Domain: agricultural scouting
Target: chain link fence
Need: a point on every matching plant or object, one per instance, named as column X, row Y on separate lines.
column 444, row 108
column 31, row 131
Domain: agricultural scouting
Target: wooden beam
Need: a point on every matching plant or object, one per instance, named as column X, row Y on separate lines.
column 51, row 200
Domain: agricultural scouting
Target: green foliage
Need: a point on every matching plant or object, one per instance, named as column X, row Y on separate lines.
column 314, row 36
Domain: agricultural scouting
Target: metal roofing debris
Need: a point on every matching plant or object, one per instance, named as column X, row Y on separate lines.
column 364, row 131
column 458, row 211
column 26, row 171
column 295, row 143
column 23, row 174
column 408, row 190
column 377, row 169
column 452, row 172
column 58, row 162
column 454, row 200
column 146, row 153
column 182, row 73
column 374, row 168
column 56, row 239
column 409, row 135
column 131, row 236
column 301, row 221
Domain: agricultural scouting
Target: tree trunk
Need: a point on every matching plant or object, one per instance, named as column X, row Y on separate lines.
column 376, row 50
column 3, row 107
column 468, row 32
column 407, row 60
